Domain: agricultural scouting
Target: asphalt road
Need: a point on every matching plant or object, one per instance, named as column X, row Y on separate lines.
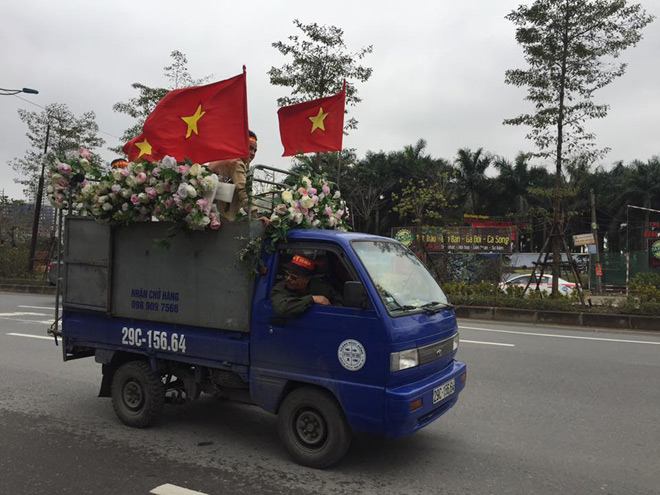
column 547, row 410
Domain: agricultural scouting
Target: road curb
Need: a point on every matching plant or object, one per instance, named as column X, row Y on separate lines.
column 601, row 320
column 29, row 289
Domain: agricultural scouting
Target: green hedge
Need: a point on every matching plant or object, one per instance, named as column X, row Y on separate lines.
column 643, row 300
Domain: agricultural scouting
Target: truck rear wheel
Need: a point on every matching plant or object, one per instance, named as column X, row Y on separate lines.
column 138, row 394
column 313, row 428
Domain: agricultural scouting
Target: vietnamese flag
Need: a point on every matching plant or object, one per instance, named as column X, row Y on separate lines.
column 316, row 125
column 201, row 123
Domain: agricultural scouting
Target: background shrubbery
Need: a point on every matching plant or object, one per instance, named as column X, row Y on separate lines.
column 643, row 297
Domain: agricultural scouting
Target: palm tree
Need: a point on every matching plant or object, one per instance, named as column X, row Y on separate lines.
column 471, row 177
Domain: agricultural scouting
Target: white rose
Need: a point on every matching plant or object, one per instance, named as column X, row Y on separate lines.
column 195, row 170
column 192, row 192
column 297, row 218
column 183, row 190
column 116, row 174
column 209, row 182
column 131, row 181
column 307, row 182
column 336, row 195
column 124, row 207
column 287, row 196
column 84, row 163
column 274, row 218
column 168, row 162
column 306, row 202
column 107, row 206
column 316, row 223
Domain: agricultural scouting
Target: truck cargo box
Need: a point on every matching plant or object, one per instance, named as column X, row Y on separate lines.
column 197, row 281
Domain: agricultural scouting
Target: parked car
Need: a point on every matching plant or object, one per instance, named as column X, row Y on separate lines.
column 520, row 280
column 52, row 270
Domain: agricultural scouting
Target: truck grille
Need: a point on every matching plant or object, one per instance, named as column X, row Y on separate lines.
column 436, row 350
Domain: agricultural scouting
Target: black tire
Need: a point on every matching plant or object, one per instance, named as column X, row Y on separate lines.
column 138, row 395
column 313, row 428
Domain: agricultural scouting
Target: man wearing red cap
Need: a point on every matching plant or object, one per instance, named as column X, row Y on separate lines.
column 298, row 291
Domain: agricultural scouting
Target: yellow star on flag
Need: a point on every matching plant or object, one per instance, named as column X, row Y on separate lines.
column 145, row 148
column 192, row 121
column 317, row 120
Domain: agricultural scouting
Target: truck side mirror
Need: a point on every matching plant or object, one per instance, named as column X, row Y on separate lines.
column 354, row 294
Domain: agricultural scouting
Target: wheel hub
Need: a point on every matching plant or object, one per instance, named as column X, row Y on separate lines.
column 132, row 394
column 311, row 428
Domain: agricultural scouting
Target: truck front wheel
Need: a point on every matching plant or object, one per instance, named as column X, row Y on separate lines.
column 138, row 394
column 313, row 428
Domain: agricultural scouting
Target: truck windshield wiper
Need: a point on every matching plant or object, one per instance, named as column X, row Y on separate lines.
column 435, row 304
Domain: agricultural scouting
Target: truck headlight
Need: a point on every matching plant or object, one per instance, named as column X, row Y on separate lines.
column 404, row 359
column 455, row 342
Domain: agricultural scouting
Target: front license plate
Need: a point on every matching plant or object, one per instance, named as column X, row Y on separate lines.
column 444, row 390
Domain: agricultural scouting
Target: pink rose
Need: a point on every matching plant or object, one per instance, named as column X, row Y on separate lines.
column 311, row 191
column 188, row 207
column 325, row 189
column 339, row 213
column 316, row 199
column 124, row 172
column 141, row 178
column 63, row 167
column 151, row 192
column 84, row 152
column 63, row 182
column 302, row 191
column 155, row 171
column 202, row 203
column 215, row 224
column 182, row 169
column 84, row 183
column 168, row 202
column 116, row 188
column 134, row 199
column 328, row 211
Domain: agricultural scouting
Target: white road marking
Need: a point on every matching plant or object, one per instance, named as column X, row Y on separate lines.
column 168, row 489
column 37, row 307
column 559, row 336
column 30, row 336
column 40, row 322
column 23, row 313
column 485, row 343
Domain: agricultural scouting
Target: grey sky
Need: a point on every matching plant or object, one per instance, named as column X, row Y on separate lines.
column 438, row 69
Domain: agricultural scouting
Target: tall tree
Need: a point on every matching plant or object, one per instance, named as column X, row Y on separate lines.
column 64, row 130
column 320, row 62
column 571, row 47
column 140, row 106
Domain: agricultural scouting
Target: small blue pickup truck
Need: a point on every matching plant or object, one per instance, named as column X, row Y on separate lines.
column 170, row 324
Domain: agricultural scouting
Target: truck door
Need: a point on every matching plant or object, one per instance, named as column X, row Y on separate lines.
column 326, row 345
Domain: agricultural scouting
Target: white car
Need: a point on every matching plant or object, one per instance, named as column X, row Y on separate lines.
column 521, row 280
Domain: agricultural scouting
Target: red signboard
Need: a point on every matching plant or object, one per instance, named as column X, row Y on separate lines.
column 599, row 270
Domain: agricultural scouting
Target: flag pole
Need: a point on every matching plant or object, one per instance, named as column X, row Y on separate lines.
column 343, row 88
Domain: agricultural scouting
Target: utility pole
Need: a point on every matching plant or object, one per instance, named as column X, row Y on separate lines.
column 37, row 206
column 594, row 231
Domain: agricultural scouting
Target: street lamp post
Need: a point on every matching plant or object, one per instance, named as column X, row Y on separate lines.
column 37, row 205
column 10, row 92
column 40, row 191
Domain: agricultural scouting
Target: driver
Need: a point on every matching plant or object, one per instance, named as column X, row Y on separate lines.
column 298, row 291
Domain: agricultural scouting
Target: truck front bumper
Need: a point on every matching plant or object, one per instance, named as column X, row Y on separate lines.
column 400, row 420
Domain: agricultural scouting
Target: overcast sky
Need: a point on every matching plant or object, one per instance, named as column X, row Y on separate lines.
column 438, row 69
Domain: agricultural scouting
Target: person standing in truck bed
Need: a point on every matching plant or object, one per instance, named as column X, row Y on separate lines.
column 236, row 170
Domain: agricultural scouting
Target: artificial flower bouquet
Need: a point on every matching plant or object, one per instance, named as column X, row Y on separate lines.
column 163, row 190
column 310, row 203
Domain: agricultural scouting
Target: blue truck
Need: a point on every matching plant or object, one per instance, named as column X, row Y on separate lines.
column 168, row 325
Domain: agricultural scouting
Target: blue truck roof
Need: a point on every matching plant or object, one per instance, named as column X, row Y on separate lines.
column 338, row 236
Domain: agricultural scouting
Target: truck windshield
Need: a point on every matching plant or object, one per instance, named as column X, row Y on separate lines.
column 402, row 281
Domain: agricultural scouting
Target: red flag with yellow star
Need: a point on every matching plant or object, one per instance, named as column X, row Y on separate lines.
column 316, row 125
column 201, row 123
